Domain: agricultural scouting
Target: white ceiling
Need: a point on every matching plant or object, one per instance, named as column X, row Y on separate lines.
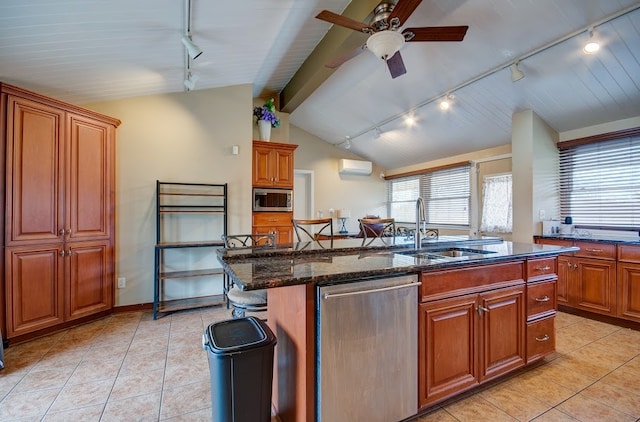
column 85, row 51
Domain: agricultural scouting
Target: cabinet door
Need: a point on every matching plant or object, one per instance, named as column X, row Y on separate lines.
column 447, row 360
column 89, row 278
column 629, row 291
column 595, row 285
column 502, row 331
column 262, row 167
column 89, row 187
column 34, row 176
column 283, row 163
column 564, row 274
column 34, row 288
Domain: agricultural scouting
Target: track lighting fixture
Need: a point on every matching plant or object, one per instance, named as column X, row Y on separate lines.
column 409, row 121
column 593, row 45
column 376, row 133
column 190, row 82
column 516, row 73
column 193, row 50
column 347, row 143
column 446, row 102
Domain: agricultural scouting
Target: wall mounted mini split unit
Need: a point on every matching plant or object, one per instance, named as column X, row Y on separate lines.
column 355, row 167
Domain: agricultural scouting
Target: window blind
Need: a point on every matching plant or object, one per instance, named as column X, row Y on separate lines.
column 600, row 183
column 446, row 193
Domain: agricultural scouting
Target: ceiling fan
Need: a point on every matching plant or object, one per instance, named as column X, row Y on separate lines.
column 384, row 39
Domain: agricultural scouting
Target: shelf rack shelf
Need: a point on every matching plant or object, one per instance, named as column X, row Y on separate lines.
column 185, row 211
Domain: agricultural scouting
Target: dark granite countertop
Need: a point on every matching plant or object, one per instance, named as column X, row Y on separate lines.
column 586, row 236
column 327, row 262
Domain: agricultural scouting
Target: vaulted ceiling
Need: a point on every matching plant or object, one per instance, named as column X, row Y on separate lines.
column 85, row 51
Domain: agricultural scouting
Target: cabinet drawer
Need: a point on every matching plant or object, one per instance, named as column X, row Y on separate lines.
column 541, row 268
column 272, row 218
column 440, row 284
column 556, row 242
column 596, row 250
column 628, row 253
column 541, row 299
column 541, row 338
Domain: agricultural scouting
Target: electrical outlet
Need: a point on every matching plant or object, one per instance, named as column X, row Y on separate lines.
column 122, row 282
column 542, row 214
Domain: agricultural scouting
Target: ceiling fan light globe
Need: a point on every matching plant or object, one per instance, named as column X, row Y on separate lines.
column 385, row 44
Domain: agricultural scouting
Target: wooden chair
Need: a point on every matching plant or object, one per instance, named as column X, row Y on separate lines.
column 314, row 229
column 377, row 228
column 250, row 300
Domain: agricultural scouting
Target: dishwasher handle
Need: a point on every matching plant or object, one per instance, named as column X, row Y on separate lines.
column 361, row 292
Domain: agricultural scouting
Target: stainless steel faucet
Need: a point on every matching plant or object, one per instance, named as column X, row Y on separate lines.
column 420, row 216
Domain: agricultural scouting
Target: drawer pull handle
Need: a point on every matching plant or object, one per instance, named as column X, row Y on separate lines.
column 543, row 299
column 545, row 338
column 545, row 268
column 594, row 250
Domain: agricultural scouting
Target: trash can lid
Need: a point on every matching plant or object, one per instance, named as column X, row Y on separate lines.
column 238, row 334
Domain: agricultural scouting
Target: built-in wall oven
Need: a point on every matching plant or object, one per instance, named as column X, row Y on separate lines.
column 265, row 199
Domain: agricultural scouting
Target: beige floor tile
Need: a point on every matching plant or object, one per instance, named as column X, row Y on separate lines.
column 438, row 415
column 580, row 364
column 541, row 387
column 108, row 353
column 142, row 362
column 520, row 405
column 8, row 383
column 185, row 399
column 560, row 372
column 82, row 395
column 186, row 372
column 139, row 408
column 27, row 404
column 19, row 364
column 620, row 399
column 45, row 379
column 137, row 384
column 554, row 415
column 55, row 359
column 625, row 379
column 88, row 371
column 147, row 344
column 84, row 414
column 476, row 409
column 202, row 415
column 580, row 407
column 564, row 319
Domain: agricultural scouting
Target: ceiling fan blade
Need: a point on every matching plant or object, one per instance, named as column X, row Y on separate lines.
column 396, row 65
column 437, row 33
column 345, row 57
column 334, row 18
column 403, row 9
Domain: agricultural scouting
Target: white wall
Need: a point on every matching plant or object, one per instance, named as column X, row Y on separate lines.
column 361, row 195
column 182, row 137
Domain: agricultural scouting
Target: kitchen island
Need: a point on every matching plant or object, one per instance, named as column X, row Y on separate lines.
column 484, row 308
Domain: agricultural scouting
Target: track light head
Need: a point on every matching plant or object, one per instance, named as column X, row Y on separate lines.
column 193, row 50
column 592, row 45
column 190, row 82
column 516, row 73
column 347, row 143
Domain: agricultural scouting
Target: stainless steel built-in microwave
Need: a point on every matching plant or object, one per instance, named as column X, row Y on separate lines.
column 272, row 199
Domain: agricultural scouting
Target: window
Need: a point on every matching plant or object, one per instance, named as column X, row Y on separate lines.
column 497, row 206
column 600, row 183
column 446, row 193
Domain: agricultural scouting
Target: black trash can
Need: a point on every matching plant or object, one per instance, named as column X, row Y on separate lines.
column 241, row 367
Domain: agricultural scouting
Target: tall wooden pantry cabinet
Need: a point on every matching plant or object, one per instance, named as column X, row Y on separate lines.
column 59, row 213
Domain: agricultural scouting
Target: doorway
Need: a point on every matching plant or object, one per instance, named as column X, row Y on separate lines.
column 303, row 194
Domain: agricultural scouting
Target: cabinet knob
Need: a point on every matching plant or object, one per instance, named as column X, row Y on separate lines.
column 61, row 232
column 543, row 299
column 543, row 338
column 68, row 231
column 62, row 252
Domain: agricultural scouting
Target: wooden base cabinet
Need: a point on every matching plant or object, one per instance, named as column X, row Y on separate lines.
column 59, row 211
column 629, row 282
column 468, row 340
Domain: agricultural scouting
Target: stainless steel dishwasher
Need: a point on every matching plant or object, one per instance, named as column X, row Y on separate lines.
column 367, row 350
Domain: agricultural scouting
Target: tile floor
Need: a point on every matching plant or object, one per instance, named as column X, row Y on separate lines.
column 130, row 367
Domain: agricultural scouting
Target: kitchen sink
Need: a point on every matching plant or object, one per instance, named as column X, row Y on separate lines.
column 463, row 253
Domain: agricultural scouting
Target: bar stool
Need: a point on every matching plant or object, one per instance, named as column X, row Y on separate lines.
column 246, row 300
column 377, row 228
column 313, row 229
